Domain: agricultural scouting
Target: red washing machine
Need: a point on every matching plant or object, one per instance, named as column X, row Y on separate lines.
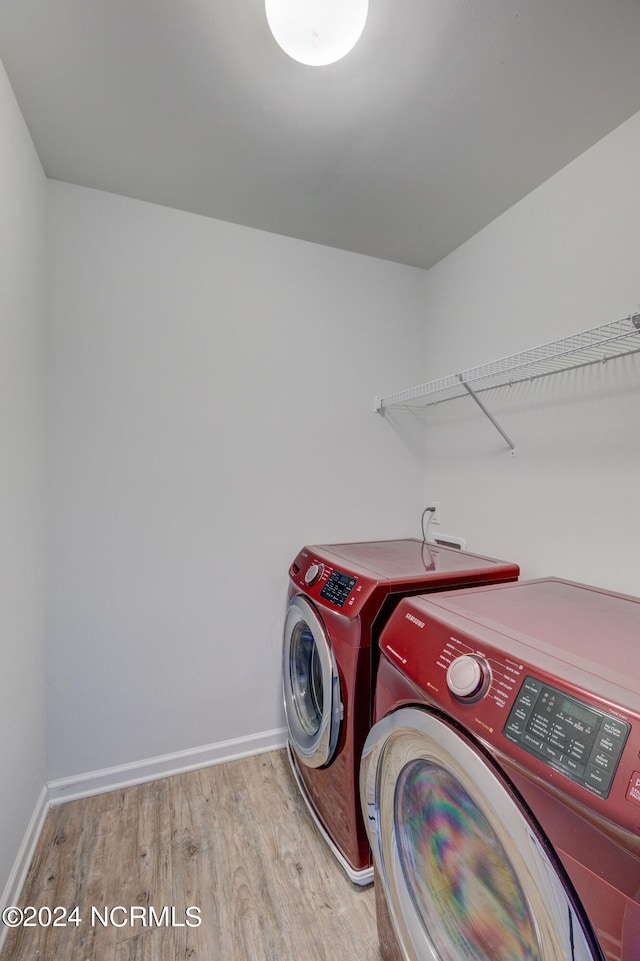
column 340, row 597
column 501, row 779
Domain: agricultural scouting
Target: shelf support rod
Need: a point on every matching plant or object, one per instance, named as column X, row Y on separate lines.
column 484, row 410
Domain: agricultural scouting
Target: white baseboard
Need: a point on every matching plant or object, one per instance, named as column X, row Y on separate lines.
column 151, row 769
column 21, row 865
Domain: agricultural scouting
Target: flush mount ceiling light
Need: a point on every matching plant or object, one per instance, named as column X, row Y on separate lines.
column 316, row 32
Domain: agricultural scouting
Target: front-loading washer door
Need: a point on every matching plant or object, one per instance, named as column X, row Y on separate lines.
column 467, row 871
column 311, row 685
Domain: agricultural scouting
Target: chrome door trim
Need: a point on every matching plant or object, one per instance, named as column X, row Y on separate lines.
column 412, row 733
column 315, row 749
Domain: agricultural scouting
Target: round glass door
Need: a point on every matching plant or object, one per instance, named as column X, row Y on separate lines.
column 467, row 873
column 311, row 686
column 465, row 890
column 305, row 676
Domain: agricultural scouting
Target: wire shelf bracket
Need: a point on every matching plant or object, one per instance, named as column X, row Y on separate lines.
column 484, row 410
column 597, row 345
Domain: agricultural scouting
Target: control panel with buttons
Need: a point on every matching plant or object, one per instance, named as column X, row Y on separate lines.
column 338, row 587
column 568, row 734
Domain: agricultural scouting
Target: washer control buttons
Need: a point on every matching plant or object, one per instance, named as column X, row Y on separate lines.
column 338, row 587
column 466, row 676
column 568, row 734
column 633, row 791
column 313, row 574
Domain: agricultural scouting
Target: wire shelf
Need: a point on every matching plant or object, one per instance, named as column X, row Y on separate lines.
column 599, row 344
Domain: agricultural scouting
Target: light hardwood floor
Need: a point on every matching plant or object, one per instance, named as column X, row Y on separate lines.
column 234, row 840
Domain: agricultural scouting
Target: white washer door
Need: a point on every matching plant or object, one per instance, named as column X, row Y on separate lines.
column 467, row 872
column 311, row 685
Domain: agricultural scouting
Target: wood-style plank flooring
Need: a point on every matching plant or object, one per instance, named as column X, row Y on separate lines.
column 234, row 840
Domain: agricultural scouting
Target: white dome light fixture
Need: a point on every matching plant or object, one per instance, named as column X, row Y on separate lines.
column 316, row 32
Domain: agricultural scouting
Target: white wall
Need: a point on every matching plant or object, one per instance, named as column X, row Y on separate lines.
column 210, row 411
column 22, row 217
column 563, row 260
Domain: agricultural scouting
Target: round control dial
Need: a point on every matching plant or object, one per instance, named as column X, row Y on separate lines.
column 314, row 573
column 467, row 676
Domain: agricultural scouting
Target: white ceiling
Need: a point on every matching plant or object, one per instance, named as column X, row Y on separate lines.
column 445, row 114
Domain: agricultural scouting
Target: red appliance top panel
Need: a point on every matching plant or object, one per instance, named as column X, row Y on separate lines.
column 403, row 560
column 354, row 579
column 590, row 628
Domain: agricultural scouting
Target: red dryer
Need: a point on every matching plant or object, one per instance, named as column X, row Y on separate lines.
column 340, row 597
column 501, row 780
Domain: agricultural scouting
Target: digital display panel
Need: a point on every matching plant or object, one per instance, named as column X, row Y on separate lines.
column 574, row 709
column 569, row 735
column 338, row 587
